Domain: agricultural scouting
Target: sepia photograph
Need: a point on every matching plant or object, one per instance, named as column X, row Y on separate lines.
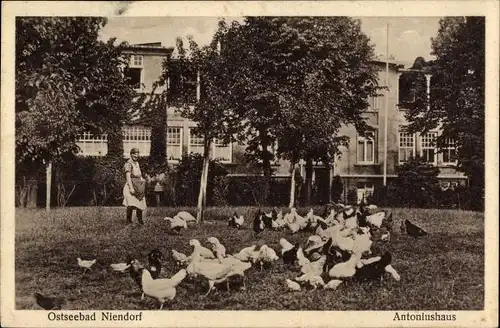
column 260, row 162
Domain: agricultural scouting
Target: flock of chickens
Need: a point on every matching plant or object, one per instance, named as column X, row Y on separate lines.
column 338, row 250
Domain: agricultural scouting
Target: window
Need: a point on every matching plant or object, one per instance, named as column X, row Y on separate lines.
column 366, row 149
column 136, row 137
column 174, row 143
column 364, row 190
column 91, row 145
column 449, row 152
column 223, row 153
column 195, row 143
column 406, row 146
column 136, row 61
column 272, row 149
column 134, row 71
column 373, row 101
column 134, row 75
column 428, row 148
column 219, row 151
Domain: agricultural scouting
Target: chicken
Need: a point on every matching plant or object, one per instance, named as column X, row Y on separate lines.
column 292, row 285
column 176, row 224
column 49, row 303
column 386, row 236
column 237, row 268
column 314, row 244
column 288, row 251
column 247, row 254
column 154, row 260
column 333, row 284
column 374, row 270
column 393, row 272
column 376, row 219
column 120, row 267
column 362, row 243
column 86, row 264
column 214, row 271
column 301, row 258
column 203, row 251
column 266, row 255
column 315, row 220
column 314, row 268
column 218, row 249
column 180, row 258
column 186, row 216
column 258, row 223
column 313, row 280
column 279, row 222
column 161, row 289
column 135, row 273
column 414, row 230
column 344, row 269
column 236, row 221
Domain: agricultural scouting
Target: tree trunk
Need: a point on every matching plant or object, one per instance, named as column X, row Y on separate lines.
column 292, row 186
column 203, row 183
column 48, row 168
column 308, row 181
column 330, row 180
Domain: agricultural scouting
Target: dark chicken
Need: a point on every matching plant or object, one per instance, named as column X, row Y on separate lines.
column 49, row 303
column 413, row 230
column 373, row 271
column 154, row 259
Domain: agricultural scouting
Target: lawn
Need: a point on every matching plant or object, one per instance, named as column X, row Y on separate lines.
column 442, row 271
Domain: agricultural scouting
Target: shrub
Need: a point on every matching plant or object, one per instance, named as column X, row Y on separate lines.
column 189, row 172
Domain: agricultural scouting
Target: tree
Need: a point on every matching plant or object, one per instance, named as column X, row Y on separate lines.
column 457, row 94
column 300, row 79
column 213, row 115
column 67, row 82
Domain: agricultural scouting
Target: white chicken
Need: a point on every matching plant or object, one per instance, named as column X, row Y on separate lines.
column 203, row 251
column 214, row 271
column 393, row 272
column 161, row 289
column 236, row 221
column 285, row 245
column 292, row 285
column 279, row 222
column 186, row 216
column 313, row 280
column 333, row 284
column 376, row 219
column 362, row 243
column 120, row 267
column 176, row 223
column 237, row 267
column 247, row 254
column 344, row 269
column 180, row 258
column 266, row 255
column 314, row 268
column 218, row 249
column 86, row 264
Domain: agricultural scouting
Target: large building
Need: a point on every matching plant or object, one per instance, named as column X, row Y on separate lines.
column 361, row 165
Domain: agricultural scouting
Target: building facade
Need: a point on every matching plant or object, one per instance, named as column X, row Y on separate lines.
column 361, row 165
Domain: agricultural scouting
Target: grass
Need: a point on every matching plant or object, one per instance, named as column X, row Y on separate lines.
column 442, row 271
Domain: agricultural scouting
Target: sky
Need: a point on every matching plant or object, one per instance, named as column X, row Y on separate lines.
column 409, row 37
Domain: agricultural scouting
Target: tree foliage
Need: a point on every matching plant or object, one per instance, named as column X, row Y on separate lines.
column 296, row 81
column 67, row 82
column 457, row 93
